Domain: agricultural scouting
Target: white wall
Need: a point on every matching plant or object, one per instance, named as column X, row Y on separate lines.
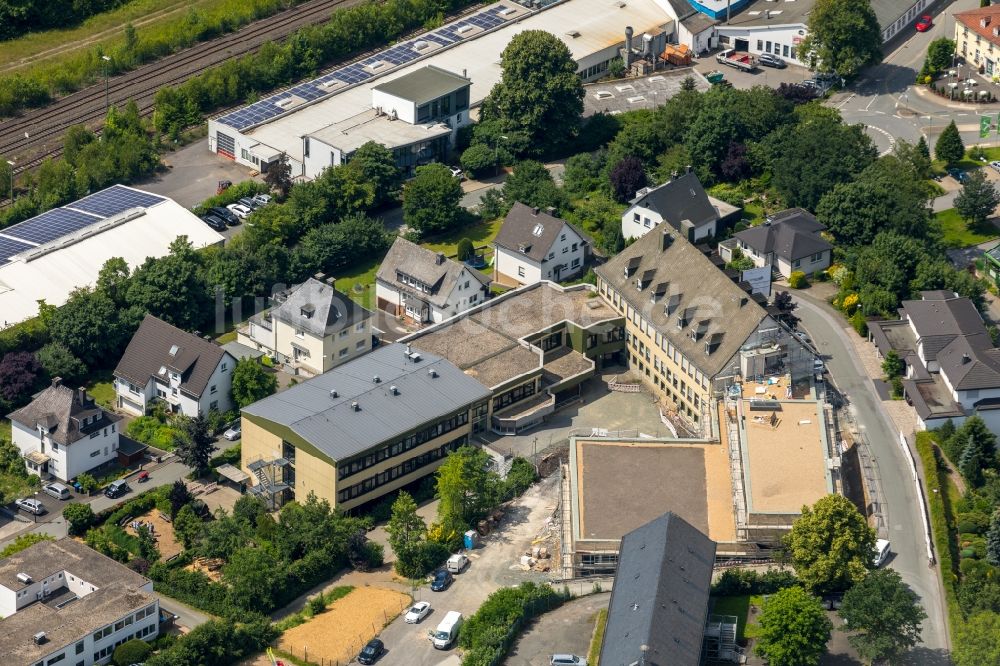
column 67, row 462
column 806, row 264
column 222, row 380
column 508, row 263
column 562, row 253
column 321, row 155
column 786, row 36
column 133, row 403
column 8, row 600
column 631, row 228
column 463, row 297
column 405, row 109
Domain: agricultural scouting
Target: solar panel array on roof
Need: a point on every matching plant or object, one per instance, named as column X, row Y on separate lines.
column 9, row 247
column 51, row 224
column 114, row 200
column 398, row 55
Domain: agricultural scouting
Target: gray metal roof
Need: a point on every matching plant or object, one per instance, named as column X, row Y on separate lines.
column 338, row 431
column 424, row 85
column 791, row 234
column 660, row 596
column 683, row 198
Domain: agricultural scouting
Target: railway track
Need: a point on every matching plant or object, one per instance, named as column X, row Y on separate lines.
column 46, row 126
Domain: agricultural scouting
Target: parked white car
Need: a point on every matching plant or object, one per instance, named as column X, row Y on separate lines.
column 239, row 210
column 234, row 432
column 30, row 505
column 417, row 612
column 995, row 164
column 263, row 199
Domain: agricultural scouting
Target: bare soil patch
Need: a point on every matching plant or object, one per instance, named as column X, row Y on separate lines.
column 163, row 530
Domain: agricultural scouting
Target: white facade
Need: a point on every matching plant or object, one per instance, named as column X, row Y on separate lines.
column 67, row 461
column 217, row 395
column 565, row 259
column 638, row 221
column 467, row 293
column 782, row 40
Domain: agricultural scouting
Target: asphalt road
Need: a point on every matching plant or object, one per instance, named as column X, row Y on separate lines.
column 903, row 518
column 566, row 630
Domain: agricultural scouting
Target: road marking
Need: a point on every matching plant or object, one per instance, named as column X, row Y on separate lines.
column 890, row 137
column 849, row 98
column 874, row 99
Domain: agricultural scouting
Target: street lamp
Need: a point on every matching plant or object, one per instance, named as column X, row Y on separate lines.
column 107, row 105
column 11, row 180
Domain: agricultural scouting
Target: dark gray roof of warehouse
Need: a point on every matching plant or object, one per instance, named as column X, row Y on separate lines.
column 660, row 596
column 424, row 85
column 333, row 426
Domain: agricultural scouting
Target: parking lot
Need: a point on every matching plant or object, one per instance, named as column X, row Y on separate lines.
column 566, row 630
column 763, row 76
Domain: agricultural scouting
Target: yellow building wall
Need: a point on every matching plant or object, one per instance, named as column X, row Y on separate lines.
column 973, row 47
column 314, row 475
column 256, row 443
column 691, row 395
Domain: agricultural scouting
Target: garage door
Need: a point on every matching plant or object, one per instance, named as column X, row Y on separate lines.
column 225, row 145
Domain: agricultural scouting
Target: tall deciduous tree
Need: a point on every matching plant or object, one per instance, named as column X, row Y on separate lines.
column 465, row 487
column 793, row 629
column 977, row 640
column 844, row 36
column 334, row 247
column 179, row 497
column 251, row 382
column 978, row 199
column 91, row 326
column 58, row 361
column 173, row 288
column 949, row 146
column 195, row 447
column 883, row 616
column 532, row 184
column 279, row 175
column 378, row 167
column 19, row 372
column 627, row 177
column 940, row 53
column 831, row 545
column 430, row 200
column 539, row 92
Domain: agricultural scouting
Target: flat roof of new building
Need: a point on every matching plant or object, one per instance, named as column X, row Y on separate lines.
column 782, row 12
column 69, row 618
column 647, row 92
column 423, row 84
column 487, row 342
column 619, row 485
column 50, row 255
column 785, row 455
column 586, row 27
column 356, row 131
column 321, row 411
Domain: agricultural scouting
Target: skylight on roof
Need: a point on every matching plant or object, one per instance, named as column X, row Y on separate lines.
column 537, row 231
column 174, row 349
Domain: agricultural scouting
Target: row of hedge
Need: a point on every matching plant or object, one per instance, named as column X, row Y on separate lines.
column 738, row 582
column 488, row 633
column 942, row 523
column 217, row 643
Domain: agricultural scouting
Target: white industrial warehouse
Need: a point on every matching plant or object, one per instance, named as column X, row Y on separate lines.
column 349, row 105
column 50, row 255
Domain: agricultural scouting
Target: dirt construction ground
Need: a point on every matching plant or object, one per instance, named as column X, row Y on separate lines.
column 162, row 530
column 337, row 635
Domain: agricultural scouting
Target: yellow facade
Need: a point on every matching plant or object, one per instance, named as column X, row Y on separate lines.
column 976, row 49
column 659, row 363
column 322, row 354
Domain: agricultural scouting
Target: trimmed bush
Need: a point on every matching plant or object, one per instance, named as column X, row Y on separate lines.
column 738, row 582
column 487, row 634
column 80, row 518
column 131, row 652
column 860, row 324
column 797, row 280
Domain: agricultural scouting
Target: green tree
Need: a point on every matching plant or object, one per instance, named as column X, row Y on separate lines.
column 883, row 616
column 254, row 578
column 977, row 640
column 892, row 365
column 539, row 93
column 334, row 247
column 92, row 327
column 467, row 490
column 479, row 159
column 131, row 652
column 465, row 249
column 179, row 496
column 531, row 184
column 793, row 629
column 407, row 536
column 843, row 37
column 431, row 200
column 378, row 167
column 977, row 200
column 188, row 526
column 195, row 448
column 251, row 382
column 24, row 541
column 80, row 517
column 949, row 146
column 173, row 288
column 58, row 361
column 279, row 175
column 993, row 540
column 831, row 545
column 112, row 279
column 940, row 53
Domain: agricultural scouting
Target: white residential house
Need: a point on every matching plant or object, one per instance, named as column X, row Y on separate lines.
column 788, row 241
column 190, row 374
column 311, row 328
column 62, row 433
column 423, row 286
column 534, row 245
column 682, row 203
column 62, row 602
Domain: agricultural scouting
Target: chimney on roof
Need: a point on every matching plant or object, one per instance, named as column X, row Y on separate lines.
column 465, row 73
column 394, row 389
column 687, row 169
column 439, row 259
column 332, row 281
column 551, row 210
column 966, row 359
column 534, row 211
column 56, row 382
column 81, row 396
column 355, row 406
column 319, row 276
column 665, row 240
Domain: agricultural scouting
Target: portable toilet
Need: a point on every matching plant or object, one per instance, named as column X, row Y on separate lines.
column 471, row 539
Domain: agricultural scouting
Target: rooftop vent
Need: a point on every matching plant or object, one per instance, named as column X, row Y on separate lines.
column 376, row 379
column 603, row 94
column 39, row 638
column 966, row 359
column 24, row 578
column 432, row 373
column 421, row 44
column 394, row 389
column 573, row 33
column 355, row 406
column 334, row 394
column 285, row 103
column 464, row 29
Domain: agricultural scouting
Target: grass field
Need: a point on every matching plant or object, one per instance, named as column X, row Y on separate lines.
column 359, row 283
column 738, row 606
column 480, row 234
column 107, row 26
column 956, row 232
column 101, row 387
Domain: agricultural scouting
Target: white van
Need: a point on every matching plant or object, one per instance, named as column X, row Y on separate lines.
column 881, row 552
column 57, row 490
column 456, row 563
column 447, row 631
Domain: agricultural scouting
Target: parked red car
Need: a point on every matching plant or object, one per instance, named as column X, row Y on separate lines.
column 925, row 23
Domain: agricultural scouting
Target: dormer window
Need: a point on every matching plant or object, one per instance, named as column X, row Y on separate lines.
column 307, row 311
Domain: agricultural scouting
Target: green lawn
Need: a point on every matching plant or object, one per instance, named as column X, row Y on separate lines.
column 481, row 234
column 101, row 387
column 600, row 624
column 753, row 213
column 5, row 429
column 738, row 606
column 227, row 337
column 956, row 232
column 359, row 283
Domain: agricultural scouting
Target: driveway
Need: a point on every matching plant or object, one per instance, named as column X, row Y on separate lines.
column 904, row 520
column 567, row 629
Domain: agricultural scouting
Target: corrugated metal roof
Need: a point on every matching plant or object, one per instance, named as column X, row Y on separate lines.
column 330, row 423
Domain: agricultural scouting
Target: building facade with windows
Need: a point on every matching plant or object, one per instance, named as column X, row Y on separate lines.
column 63, row 603
column 977, row 39
column 788, row 241
column 62, row 432
column 423, row 286
column 361, row 430
column 190, row 374
column 681, row 202
column 311, row 328
column 692, row 329
column 533, row 245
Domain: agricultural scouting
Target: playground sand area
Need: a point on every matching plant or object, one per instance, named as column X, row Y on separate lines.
column 336, row 635
column 163, row 530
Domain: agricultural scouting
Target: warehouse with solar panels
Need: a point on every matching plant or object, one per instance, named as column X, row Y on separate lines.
column 50, row 255
column 442, row 76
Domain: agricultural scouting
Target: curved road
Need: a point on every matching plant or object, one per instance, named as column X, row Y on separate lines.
column 903, row 517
